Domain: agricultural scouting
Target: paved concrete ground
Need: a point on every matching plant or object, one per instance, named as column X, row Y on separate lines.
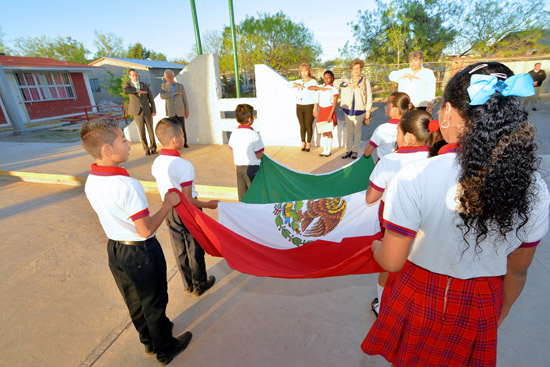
column 60, row 305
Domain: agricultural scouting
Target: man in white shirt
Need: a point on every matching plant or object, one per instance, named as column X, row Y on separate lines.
column 417, row 81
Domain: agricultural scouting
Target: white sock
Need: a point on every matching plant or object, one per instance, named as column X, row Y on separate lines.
column 380, row 289
column 329, row 144
column 323, row 143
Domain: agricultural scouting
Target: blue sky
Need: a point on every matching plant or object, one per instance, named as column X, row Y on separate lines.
column 167, row 25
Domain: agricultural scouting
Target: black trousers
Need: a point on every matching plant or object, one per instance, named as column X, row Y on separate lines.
column 304, row 112
column 189, row 254
column 143, row 120
column 140, row 274
column 181, row 119
column 245, row 175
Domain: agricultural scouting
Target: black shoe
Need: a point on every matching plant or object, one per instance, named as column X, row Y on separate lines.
column 188, row 290
column 308, row 149
column 303, row 149
column 353, row 155
column 180, row 343
column 149, row 349
column 153, row 150
column 147, row 152
column 373, row 305
column 347, row 155
column 198, row 291
column 534, row 108
column 186, row 146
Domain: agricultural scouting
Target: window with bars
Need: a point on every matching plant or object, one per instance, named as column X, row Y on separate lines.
column 45, row 86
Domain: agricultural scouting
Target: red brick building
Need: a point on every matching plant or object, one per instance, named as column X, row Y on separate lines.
column 46, row 89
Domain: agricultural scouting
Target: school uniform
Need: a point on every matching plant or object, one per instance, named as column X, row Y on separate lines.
column 384, row 138
column 444, row 305
column 326, row 100
column 245, row 143
column 172, row 171
column 137, row 264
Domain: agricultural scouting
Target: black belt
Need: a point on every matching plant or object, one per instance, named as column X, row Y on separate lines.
column 137, row 242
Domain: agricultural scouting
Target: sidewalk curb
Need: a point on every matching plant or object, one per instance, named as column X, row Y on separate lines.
column 205, row 191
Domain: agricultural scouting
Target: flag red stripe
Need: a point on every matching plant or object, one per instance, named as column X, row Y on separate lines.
column 315, row 260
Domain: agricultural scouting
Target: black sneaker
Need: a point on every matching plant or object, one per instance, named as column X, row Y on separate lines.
column 180, row 343
column 347, row 155
column 198, row 291
column 534, row 108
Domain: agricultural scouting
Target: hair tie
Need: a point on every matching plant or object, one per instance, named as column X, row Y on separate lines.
column 433, row 126
column 482, row 87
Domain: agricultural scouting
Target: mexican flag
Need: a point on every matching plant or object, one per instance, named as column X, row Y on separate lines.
column 312, row 237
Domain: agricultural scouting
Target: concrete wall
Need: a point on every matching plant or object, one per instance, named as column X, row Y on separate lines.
column 275, row 105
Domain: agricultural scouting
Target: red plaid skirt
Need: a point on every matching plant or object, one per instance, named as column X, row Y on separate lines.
column 434, row 320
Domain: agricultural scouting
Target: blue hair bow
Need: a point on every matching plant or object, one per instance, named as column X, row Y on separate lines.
column 482, row 87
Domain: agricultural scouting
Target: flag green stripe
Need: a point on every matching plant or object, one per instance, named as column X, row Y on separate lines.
column 276, row 184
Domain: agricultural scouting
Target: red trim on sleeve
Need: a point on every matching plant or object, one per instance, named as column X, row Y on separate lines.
column 377, row 188
column 261, row 150
column 529, row 244
column 373, row 144
column 399, row 229
column 187, row 183
column 139, row 215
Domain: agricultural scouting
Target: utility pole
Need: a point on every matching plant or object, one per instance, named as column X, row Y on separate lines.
column 235, row 56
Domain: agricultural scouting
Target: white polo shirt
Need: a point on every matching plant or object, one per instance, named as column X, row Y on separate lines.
column 421, row 90
column 387, row 167
column 421, row 203
column 384, row 138
column 326, row 97
column 118, row 200
column 245, row 143
column 173, row 172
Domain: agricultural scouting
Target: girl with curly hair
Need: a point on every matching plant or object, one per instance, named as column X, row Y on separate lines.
column 462, row 228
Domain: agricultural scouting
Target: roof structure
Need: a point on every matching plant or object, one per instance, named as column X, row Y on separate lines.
column 149, row 64
column 39, row 63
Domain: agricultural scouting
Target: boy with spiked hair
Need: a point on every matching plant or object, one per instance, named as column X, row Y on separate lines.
column 172, row 171
column 136, row 259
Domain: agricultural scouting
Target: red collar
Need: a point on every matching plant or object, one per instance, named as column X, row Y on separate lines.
column 108, row 171
column 393, row 121
column 329, row 85
column 245, row 127
column 448, row 148
column 413, row 149
column 171, row 152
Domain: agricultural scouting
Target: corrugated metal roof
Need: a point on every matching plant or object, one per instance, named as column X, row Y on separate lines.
column 155, row 64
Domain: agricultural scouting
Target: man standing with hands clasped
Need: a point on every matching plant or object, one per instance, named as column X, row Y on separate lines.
column 417, row 81
column 142, row 106
column 177, row 106
column 538, row 76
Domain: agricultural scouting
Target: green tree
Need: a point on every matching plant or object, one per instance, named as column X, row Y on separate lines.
column 274, row 40
column 488, row 24
column 181, row 60
column 108, row 45
column 3, row 48
column 137, row 51
column 60, row 48
column 395, row 28
column 115, row 85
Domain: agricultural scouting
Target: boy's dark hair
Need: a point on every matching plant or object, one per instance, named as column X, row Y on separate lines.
column 243, row 113
column 166, row 129
column 94, row 134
